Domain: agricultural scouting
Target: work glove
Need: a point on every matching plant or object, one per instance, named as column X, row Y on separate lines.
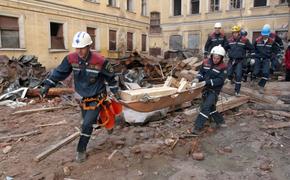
column 117, row 96
column 194, row 82
column 205, row 54
column 252, row 62
column 44, row 90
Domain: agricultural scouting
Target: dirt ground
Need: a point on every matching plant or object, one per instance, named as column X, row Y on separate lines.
column 240, row 151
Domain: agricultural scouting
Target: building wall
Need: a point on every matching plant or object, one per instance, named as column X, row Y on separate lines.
column 250, row 18
column 76, row 15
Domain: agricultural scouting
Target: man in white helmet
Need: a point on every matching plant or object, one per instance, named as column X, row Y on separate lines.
column 215, row 38
column 91, row 72
column 212, row 74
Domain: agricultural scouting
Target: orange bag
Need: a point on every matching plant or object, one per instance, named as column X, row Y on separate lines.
column 108, row 113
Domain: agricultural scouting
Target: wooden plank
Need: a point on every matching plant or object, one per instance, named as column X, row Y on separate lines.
column 273, row 107
column 51, row 92
column 20, row 135
column 56, row 147
column 277, row 125
column 222, row 105
column 135, row 95
column 183, row 85
column 39, row 110
column 280, row 113
column 253, row 94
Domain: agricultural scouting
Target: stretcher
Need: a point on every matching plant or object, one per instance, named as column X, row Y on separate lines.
column 149, row 104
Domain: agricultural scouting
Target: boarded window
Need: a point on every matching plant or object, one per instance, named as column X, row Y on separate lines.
column 193, row 41
column 236, row 4
column 194, row 6
column 175, row 42
column 9, row 32
column 256, row 34
column 92, row 33
column 112, row 3
column 176, row 7
column 112, row 40
column 130, row 5
column 155, row 51
column 144, row 42
column 129, row 41
column 214, row 5
column 144, row 8
column 259, row 3
column 155, row 22
column 56, row 36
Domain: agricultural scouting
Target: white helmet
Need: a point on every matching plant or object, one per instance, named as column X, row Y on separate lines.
column 267, row 26
column 219, row 50
column 218, row 25
column 81, row 39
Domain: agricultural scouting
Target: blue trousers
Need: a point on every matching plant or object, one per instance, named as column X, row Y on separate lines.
column 89, row 118
column 235, row 67
column 262, row 67
column 208, row 109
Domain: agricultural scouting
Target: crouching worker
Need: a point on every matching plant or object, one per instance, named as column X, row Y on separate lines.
column 91, row 72
column 213, row 75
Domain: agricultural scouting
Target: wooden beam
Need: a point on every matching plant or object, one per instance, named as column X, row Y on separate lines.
column 20, row 135
column 254, row 95
column 273, row 107
column 280, row 113
column 222, row 105
column 39, row 110
column 277, row 125
column 135, row 95
column 51, row 92
column 56, row 147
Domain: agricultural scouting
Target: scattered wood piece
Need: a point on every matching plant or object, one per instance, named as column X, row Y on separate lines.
column 253, row 94
column 273, row 107
column 53, row 124
column 39, row 110
column 21, row 135
column 222, row 105
column 277, row 125
column 51, row 92
column 280, row 113
column 174, row 144
column 112, row 154
column 56, row 147
column 183, row 85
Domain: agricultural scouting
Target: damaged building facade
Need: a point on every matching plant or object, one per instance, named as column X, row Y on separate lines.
column 187, row 23
column 45, row 28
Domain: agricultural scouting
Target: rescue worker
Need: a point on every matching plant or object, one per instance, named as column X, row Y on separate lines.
column 287, row 62
column 212, row 75
column 90, row 71
column 237, row 51
column 276, row 59
column 265, row 48
column 214, row 39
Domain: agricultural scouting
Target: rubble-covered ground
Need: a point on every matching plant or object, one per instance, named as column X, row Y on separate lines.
column 240, row 151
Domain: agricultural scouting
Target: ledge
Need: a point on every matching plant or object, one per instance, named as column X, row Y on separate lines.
column 282, row 5
column 115, row 7
column 58, row 50
column 190, row 15
column 179, row 16
column 235, row 10
column 12, row 49
column 214, row 12
column 98, row 3
column 146, row 16
column 260, row 7
column 131, row 12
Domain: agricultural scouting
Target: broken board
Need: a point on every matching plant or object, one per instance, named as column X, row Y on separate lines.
column 155, row 92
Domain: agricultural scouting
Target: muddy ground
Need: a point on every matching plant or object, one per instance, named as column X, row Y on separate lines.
column 240, row 151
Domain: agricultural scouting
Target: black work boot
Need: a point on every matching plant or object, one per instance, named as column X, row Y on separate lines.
column 81, row 157
column 195, row 132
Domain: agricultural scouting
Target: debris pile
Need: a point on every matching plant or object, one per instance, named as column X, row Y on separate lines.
column 24, row 71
